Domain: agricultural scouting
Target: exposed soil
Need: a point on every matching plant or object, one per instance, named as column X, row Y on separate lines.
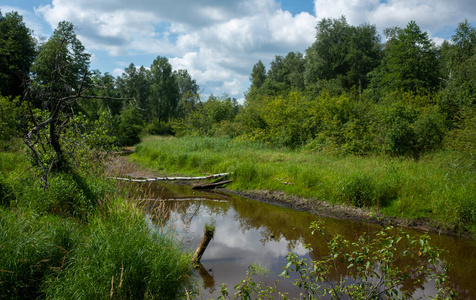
column 121, row 166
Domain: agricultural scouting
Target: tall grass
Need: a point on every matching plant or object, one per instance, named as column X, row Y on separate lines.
column 122, row 258
column 80, row 238
column 439, row 186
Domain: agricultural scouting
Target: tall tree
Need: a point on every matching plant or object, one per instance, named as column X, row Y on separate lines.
column 164, row 92
column 258, row 75
column 188, row 90
column 411, row 60
column 135, row 83
column 60, row 78
column 17, row 52
column 459, row 62
column 342, row 52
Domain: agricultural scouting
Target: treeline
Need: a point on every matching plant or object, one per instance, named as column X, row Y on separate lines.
column 352, row 93
column 349, row 93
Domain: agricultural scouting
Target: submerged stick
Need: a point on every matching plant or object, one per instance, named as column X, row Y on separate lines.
column 207, row 237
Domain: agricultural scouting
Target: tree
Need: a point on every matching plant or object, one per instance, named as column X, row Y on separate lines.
column 60, row 78
column 288, row 71
column 459, row 59
column 135, row 83
column 17, row 52
column 342, row 52
column 188, row 90
column 411, row 61
column 258, row 75
column 164, row 92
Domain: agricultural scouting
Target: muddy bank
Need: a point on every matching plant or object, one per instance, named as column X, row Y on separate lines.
column 324, row 209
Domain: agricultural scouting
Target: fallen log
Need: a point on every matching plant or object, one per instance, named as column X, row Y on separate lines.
column 171, row 178
column 210, row 185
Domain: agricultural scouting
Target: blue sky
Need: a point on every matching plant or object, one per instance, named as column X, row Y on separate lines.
column 219, row 41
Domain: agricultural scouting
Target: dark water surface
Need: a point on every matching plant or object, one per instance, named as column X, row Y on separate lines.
column 250, row 232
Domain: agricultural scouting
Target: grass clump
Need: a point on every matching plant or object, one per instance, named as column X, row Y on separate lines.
column 33, row 248
column 122, row 258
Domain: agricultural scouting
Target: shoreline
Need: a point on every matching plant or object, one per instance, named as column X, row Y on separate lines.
column 121, row 165
column 338, row 211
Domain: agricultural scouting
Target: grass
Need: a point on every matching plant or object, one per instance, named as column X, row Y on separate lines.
column 440, row 187
column 80, row 239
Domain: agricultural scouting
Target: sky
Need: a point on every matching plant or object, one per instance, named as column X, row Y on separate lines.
column 219, row 41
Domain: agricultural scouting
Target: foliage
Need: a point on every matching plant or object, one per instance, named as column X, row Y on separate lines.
column 17, row 52
column 410, row 62
column 209, row 119
column 342, row 52
column 374, row 266
column 164, row 93
column 11, row 112
column 129, row 127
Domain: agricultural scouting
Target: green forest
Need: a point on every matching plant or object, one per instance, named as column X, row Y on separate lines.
column 384, row 123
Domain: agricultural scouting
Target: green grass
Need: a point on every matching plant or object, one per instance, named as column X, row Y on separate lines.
column 439, row 186
column 80, row 239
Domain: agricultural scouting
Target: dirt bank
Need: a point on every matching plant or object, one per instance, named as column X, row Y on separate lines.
column 324, row 209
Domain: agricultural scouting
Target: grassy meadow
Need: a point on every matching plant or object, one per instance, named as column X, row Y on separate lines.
column 439, row 187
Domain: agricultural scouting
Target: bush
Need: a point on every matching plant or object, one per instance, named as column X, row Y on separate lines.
column 129, row 127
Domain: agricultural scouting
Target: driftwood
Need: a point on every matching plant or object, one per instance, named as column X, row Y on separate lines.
column 210, row 185
column 172, row 178
column 207, row 237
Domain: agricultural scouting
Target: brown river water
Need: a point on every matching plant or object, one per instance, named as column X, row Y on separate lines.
column 249, row 232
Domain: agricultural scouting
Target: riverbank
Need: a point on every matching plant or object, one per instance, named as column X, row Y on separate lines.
column 435, row 193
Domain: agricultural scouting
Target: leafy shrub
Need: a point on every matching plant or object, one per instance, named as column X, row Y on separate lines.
column 380, row 265
column 129, row 127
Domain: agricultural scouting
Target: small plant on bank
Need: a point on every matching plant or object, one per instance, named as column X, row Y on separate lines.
column 386, row 264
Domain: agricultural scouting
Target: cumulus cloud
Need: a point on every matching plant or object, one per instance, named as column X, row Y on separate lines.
column 218, row 41
column 431, row 15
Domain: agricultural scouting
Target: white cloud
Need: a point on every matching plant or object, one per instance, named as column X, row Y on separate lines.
column 430, row 15
column 117, row 72
column 218, row 42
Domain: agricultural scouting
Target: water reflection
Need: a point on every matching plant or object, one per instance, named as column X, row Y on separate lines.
column 249, row 232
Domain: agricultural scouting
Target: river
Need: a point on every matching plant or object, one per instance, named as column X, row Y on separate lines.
column 251, row 233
